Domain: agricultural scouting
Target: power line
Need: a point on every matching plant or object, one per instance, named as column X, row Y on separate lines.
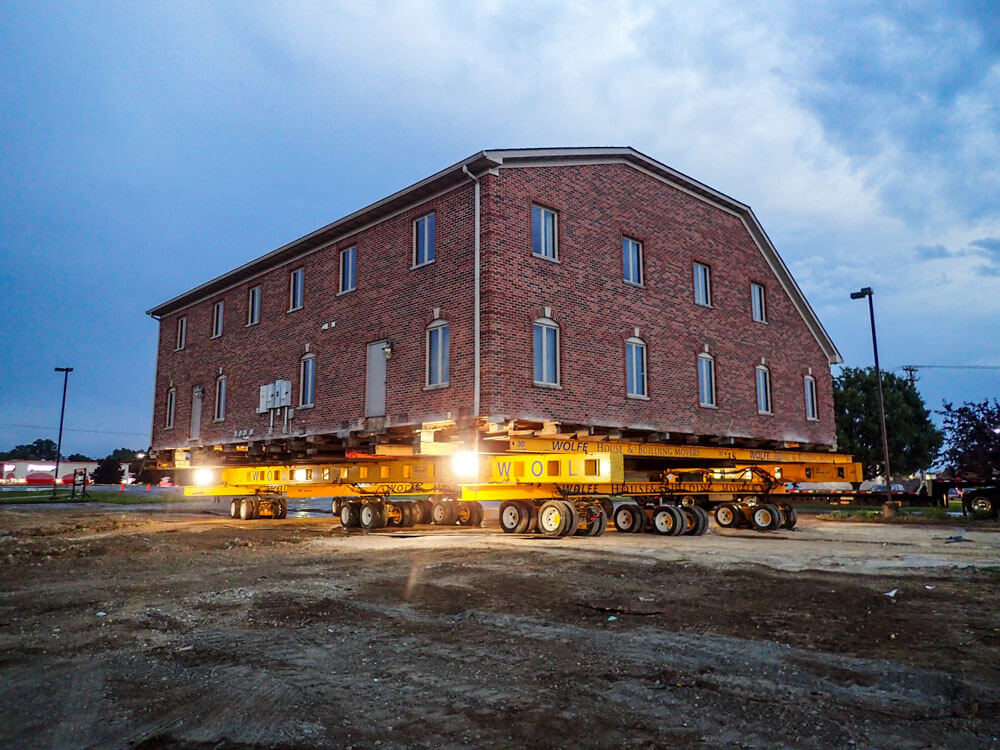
column 70, row 429
column 947, row 367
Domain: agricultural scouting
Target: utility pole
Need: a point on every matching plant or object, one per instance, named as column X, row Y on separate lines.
column 62, row 412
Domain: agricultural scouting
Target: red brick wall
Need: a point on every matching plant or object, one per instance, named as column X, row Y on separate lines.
column 391, row 302
column 597, row 310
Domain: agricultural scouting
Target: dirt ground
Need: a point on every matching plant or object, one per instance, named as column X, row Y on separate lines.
column 173, row 628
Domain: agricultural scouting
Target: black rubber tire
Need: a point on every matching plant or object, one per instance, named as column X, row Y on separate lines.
column 628, row 518
column 596, row 513
column 444, row 513
column 643, row 519
column 407, row 512
column 248, row 509
column 397, row 521
column 763, row 517
column 604, row 525
column 368, row 516
column 690, row 521
column 791, row 517
column 426, row 506
column 681, row 527
column 553, row 518
column 349, row 514
column 469, row 513
column 703, row 522
column 982, row 506
column 476, row 514
column 234, row 508
column 688, row 501
column 282, row 508
column 335, row 506
column 728, row 515
column 609, row 508
column 663, row 520
column 573, row 527
column 514, row 517
column 779, row 516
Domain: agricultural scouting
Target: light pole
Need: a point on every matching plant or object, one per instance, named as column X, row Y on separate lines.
column 65, row 371
column 861, row 293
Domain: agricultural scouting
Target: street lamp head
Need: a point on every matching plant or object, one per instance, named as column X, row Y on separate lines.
column 862, row 293
column 64, row 369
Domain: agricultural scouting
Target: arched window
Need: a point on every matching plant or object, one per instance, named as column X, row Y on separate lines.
column 168, row 423
column 438, row 353
column 706, row 380
column 220, row 398
column 546, row 345
column 812, row 411
column 635, row 368
column 307, row 380
column 763, row 390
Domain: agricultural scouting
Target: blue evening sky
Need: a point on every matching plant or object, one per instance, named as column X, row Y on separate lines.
column 147, row 147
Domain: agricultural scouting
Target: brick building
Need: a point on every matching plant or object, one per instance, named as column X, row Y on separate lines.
column 569, row 291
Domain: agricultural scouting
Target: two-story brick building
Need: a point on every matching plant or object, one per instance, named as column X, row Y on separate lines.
column 570, row 291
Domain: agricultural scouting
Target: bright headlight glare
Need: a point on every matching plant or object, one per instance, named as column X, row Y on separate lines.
column 204, row 477
column 300, row 475
column 465, row 464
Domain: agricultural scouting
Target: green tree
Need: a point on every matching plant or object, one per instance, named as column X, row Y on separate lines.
column 914, row 441
column 123, row 455
column 78, row 457
column 972, row 434
column 108, row 471
column 41, row 449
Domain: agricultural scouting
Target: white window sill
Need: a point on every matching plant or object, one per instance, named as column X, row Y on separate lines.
column 812, row 419
column 217, row 421
column 421, row 265
column 553, row 386
column 635, row 284
column 179, row 349
column 346, row 291
column 702, row 304
column 216, row 336
column 306, row 406
column 168, row 428
column 762, row 322
column 637, row 397
column 549, row 258
column 293, row 309
column 253, row 324
column 765, row 413
column 437, row 386
column 709, row 406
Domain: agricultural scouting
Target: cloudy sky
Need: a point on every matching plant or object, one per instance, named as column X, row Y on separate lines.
column 147, row 147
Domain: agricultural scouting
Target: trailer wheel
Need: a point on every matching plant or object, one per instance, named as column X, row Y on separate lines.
column 422, row 511
column 514, row 517
column 791, row 517
column 553, row 518
column 595, row 520
column 335, row 505
column 609, row 508
column 779, row 517
column 573, row 528
column 234, row 508
column 476, row 514
column 764, row 517
column 663, row 520
column 349, row 514
column 702, row 516
column 628, row 518
column 247, row 509
column 727, row 515
column 368, row 517
column 282, row 508
column 444, row 513
column 688, row 501
column 405, row 513
column 983, row 505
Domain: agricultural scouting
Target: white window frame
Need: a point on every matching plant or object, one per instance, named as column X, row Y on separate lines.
column 349, row 263
column 427, row 234
column 254, row 296
column 218, row 313
column 546, row 324
column 303, row 404
column 631, row 245
column 708, row 283
column 296, row 289
column 766, row 392
column 713, row 404
column 544, row 212
column 635, row 346
column 168, row 422
column 220, row 399
column 181, row 338
column 809, row 386
column 444, row 355
column 754, row 288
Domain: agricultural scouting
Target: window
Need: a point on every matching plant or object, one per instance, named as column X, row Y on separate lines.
column 757, row 303
column 635, row 368
column 220, row 398
column 348, row 269
column 810, row 389
column 763, row 390
column 296, row 282
column 307, row 381
column 437, row 354
column 632, row 257
column 253, row 306
column 423, row 240
column 702, row 284
column 217, row 312
column 168, row 423
column 706, row 380
column 546, row 352
column 182, row 327
column 544, row 233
